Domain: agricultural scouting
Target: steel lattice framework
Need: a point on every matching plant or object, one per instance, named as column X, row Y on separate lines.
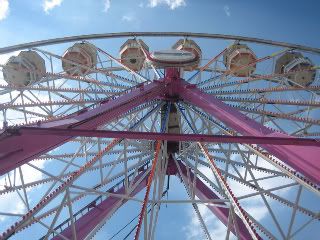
column 98, row 141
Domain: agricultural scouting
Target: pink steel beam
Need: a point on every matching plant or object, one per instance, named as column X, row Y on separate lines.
column 146, row 196
column 304, row 159
column 32, row 131
column 17, row 150
column 204, row 193
column 86, row 223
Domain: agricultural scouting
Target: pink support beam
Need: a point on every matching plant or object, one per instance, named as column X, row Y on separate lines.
column 304, row 159
column 19, row 149
column 32, row 131
column 205, row 193
column 86, row 223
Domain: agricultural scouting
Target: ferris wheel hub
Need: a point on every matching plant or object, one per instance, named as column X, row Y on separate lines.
column 173, row 58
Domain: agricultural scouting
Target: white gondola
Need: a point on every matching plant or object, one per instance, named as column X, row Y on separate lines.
column 79, row 59
column 132, row 55
column 239, row 59
column 298, row 69
column 26, row 68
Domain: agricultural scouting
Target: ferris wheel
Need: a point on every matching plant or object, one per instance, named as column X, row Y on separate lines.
column 93, row 123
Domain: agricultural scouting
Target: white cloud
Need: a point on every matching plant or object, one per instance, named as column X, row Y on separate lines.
column 4, row 9
column 107, row 5
column 50, row 4
column 127, row 18
column 4, row 57
column 131, row 19
column 226, row 9
column 253, row 205
column 217, row 229
column 173, row 4
column 6, row 205
column 29, row 175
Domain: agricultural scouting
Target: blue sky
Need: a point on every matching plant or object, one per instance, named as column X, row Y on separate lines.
column 288, row 21
column 280, row 20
